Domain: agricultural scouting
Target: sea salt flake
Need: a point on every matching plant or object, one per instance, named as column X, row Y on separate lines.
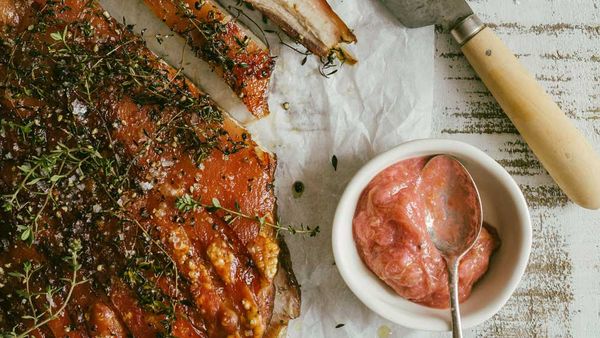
column 79, row 109
column 50, row 300
column 146, row 186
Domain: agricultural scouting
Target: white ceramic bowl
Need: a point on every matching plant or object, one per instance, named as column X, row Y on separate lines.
column 504, row 207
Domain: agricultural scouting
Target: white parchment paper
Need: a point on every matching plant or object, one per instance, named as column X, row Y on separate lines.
column 361, row 110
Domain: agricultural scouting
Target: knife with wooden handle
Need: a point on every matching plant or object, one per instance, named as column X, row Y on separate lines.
column 559, row 145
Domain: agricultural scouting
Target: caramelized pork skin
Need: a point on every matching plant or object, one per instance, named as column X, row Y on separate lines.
column 311, row 22
column 240, row 58
column 101, row 147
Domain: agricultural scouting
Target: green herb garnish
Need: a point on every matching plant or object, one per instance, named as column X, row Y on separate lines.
column 41, row 318
column 187, row 203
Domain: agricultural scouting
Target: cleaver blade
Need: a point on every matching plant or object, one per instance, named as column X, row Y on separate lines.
column 420, row 13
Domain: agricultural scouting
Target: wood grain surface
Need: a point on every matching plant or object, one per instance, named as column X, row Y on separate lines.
column 559, row 41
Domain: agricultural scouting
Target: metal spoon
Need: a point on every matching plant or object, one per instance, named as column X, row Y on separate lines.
column 453, row 216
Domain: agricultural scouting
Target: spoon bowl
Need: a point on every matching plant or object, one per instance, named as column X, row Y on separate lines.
column 453, row 212
column 453, row 216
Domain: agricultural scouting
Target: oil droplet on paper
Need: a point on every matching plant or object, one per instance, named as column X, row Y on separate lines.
column 384, row 331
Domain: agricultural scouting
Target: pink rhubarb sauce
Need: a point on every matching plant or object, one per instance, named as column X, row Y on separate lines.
column 390, row 234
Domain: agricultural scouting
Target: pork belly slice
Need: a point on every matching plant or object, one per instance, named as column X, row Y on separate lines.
column 234, row 52
column 312, row 23
column 101, row 147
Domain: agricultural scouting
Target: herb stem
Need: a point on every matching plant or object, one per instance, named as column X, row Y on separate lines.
column 13, row 196
column 50, row 315
column 155, row 242
column 187, row 203
column 38, row 215
column 29, row 297
column 54, row 315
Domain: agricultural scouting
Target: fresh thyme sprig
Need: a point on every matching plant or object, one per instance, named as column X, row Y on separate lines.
column 187, row 203
column 48, row 169
column 42, row 318
column 329, row 65
column 211, row 29
column 150, row 295
column 240, row 12
column 156, row 242
column 82, row 70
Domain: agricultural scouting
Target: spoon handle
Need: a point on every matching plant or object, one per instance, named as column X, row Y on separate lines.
column 454, row 304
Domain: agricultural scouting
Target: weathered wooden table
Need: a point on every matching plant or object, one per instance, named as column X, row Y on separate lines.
column 559, row 41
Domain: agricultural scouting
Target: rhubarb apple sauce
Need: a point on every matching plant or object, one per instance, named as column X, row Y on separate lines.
column 392, row 239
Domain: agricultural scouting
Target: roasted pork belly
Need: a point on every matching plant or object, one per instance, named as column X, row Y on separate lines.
column 312, row 23
column 234, row 52
column 131, row 204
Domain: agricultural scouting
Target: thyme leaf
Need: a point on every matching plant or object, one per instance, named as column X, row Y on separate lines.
column 25, row 277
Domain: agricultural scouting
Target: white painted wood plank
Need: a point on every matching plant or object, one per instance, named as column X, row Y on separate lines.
column 559, row 41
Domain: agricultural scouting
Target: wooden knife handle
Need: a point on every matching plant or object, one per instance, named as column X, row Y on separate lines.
column 560, row 147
